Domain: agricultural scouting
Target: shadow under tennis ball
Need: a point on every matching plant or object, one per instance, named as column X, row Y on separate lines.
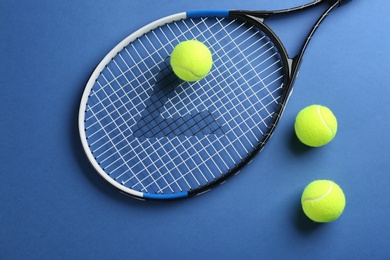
column 296, row 146
column 301, row 221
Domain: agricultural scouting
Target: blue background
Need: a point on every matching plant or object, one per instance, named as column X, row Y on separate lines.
column 54, row 205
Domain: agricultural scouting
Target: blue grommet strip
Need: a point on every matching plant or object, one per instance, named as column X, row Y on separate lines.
column 205, row 13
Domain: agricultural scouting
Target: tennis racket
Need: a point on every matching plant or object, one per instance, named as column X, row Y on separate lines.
column 154, row 136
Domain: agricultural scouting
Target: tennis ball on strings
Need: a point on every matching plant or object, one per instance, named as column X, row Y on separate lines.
column 315, row 125
column 323, row 201
column 191, row 60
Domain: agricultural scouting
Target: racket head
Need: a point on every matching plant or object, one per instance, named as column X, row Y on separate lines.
column 154, row 136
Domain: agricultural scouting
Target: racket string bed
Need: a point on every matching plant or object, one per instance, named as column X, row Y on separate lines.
column 175, row 119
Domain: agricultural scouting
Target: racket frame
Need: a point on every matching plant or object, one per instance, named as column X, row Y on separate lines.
column 256, row 18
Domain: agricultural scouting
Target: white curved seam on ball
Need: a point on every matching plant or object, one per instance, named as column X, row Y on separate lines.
column 184, row 68
column 321, row 197
column 323, row 121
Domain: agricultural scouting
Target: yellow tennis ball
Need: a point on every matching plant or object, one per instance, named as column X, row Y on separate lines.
column 315, row 125
column 323, row 201
column 191, row 60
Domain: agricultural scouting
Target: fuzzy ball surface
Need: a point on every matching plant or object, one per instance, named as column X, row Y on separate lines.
column 191, row 60
column 323, row 201
column 315, row 125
